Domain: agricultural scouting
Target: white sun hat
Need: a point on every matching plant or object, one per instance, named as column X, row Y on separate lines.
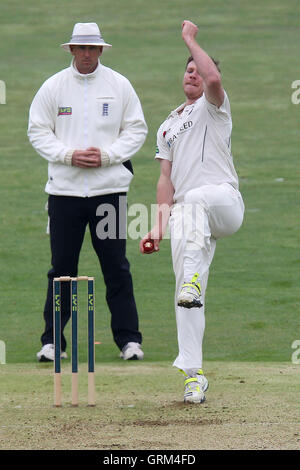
column 85, row 34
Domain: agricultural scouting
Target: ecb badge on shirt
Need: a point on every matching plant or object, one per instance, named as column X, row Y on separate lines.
column 105, row 109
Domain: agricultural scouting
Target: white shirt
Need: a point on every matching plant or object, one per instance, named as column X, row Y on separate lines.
column 74, row 111
column 198, row 143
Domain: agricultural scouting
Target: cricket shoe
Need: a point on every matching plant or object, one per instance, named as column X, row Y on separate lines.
column 132, row 351
column 202, row 380
column 190, row 294
column 195, row 386
column 46, row 354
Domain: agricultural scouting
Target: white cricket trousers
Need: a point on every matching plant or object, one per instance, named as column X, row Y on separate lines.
column 207, row 213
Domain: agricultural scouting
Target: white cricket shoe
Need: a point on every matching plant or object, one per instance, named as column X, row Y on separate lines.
column 202, row 380
column 132, row 351
column 190, row 294
column 46, row 354
column 194, row 387
column 193, row 392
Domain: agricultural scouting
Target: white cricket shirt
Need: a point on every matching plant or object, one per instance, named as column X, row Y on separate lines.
column 198, row 143
column 76, row 111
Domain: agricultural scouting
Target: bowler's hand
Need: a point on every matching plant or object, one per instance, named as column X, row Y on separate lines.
column 151, row 236
column 89, row 158
column 189, row 31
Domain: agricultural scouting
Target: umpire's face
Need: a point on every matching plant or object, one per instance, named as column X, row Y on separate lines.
column 192, row 82
column 86, row 57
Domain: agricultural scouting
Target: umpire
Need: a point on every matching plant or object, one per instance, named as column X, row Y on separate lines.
column 87, row 122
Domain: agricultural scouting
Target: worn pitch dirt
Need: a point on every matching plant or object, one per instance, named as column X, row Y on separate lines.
column 139, row 406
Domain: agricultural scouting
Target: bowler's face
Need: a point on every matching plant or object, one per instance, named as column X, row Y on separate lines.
column 86, row 57
column 192, row 82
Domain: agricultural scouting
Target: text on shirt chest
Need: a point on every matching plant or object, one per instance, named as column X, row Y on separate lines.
column 175, row 132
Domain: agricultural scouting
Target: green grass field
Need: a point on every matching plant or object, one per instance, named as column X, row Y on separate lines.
column 252, row 302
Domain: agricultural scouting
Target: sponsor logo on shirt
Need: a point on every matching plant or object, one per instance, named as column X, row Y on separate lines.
column 171, row 140
column 64, row 111
column 186, row 126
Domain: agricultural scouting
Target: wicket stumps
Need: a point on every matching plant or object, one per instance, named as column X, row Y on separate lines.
column 74, row 335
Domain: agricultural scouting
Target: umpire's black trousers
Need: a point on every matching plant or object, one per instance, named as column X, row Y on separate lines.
column 69, row 217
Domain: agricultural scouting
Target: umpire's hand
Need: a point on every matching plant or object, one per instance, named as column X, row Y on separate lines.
column 89, row 158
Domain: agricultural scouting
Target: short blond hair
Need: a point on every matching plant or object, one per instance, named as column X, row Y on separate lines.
column 216, row 62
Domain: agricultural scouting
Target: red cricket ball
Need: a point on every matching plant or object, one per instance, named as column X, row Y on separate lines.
column 148, row 246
